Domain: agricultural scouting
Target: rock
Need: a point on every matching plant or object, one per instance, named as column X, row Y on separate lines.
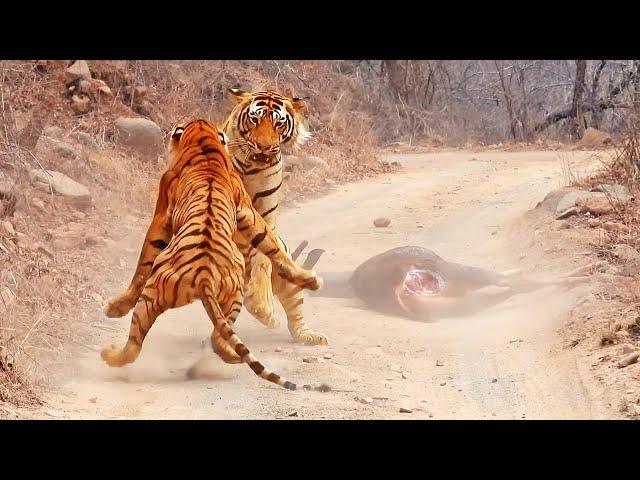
column 618, row 192
column 405, row 410
column 53, row 132
column 626, row 253
column 7, row 298
column 614, row 227
column 6, row 229
column 569, row 199
column 85, row 86
column 382, row 222
column 629, row 360
column 80, row 103
column 55, row 413
column 627, row 348
column 551, row 199
column 323, row 387
column 439, row 363
column 63, row 185
column 85, row 139
column 141, row 135
column 442, row 384
column 80, row 69
column 593, row 138
column 306, row 162
column 327, row 356
column 494, row 380
column 62, row 149
column 593, row 222
column 367, row 400
column 404, row 376
column 567, row 213
column 310, row 359
column 93, row 400
column 140, row 91
column 278, row 349
column 596, row 205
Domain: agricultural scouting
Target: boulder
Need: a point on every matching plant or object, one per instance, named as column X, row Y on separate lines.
column 80, row 69
column 598, row 204
column 85, row 139
column 77, row 193
column 141, row 135
column 306, row 162
column 53, row 132
column 80, row 103
column 626, row 253
column 618, row 192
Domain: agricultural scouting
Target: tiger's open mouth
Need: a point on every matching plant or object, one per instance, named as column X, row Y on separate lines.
column 422, row 282
column 265, row 159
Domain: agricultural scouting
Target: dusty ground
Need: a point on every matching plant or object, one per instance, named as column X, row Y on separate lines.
column 509, row 362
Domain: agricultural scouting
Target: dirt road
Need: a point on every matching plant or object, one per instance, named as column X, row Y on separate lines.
column 502, row 363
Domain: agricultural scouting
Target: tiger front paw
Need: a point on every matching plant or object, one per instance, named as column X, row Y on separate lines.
column 118, row 306
column 113, row 356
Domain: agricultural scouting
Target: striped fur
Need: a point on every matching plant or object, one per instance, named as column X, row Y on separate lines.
column 189, row 253
column 257, row 127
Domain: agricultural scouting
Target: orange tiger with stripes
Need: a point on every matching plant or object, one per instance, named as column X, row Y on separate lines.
column 257, row 127
column 189, row 254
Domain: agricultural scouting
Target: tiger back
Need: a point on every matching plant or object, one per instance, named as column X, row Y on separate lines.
column 189, row 253
column 257, row 127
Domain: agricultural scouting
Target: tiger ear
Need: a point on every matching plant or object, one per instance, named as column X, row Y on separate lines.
column 177, row 133
column 238, row 94
column 299, row 103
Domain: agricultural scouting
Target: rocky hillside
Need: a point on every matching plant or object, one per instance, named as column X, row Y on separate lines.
column 81, row 152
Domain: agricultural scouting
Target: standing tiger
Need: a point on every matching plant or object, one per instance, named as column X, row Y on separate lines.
column 257, row 127
column 189, row 252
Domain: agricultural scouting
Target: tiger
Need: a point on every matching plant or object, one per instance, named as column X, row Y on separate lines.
column 258, row 125
column 189, row 253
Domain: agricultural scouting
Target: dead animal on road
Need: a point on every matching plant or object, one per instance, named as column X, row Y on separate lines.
column 416, row 283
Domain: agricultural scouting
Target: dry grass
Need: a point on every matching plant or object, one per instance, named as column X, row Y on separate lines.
column 50, row 296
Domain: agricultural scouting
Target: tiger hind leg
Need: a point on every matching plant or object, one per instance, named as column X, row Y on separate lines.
column 151, row 304
column 291, row 297
column 144, row 315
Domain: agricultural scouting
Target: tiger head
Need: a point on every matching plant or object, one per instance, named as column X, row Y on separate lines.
column 184, row 133
column 266, row 120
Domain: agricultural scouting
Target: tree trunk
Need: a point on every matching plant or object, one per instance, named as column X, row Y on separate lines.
column 596, row 114
column 513, row 121
column 577, row 113
column 397, row 74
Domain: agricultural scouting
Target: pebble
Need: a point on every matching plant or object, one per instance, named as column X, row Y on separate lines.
column 495, row 380
column 310, row 359
column 627, row 348
column 278, row 349
column 327, row 356
column 405, row 410
column 629, row 360
column 382, row 222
